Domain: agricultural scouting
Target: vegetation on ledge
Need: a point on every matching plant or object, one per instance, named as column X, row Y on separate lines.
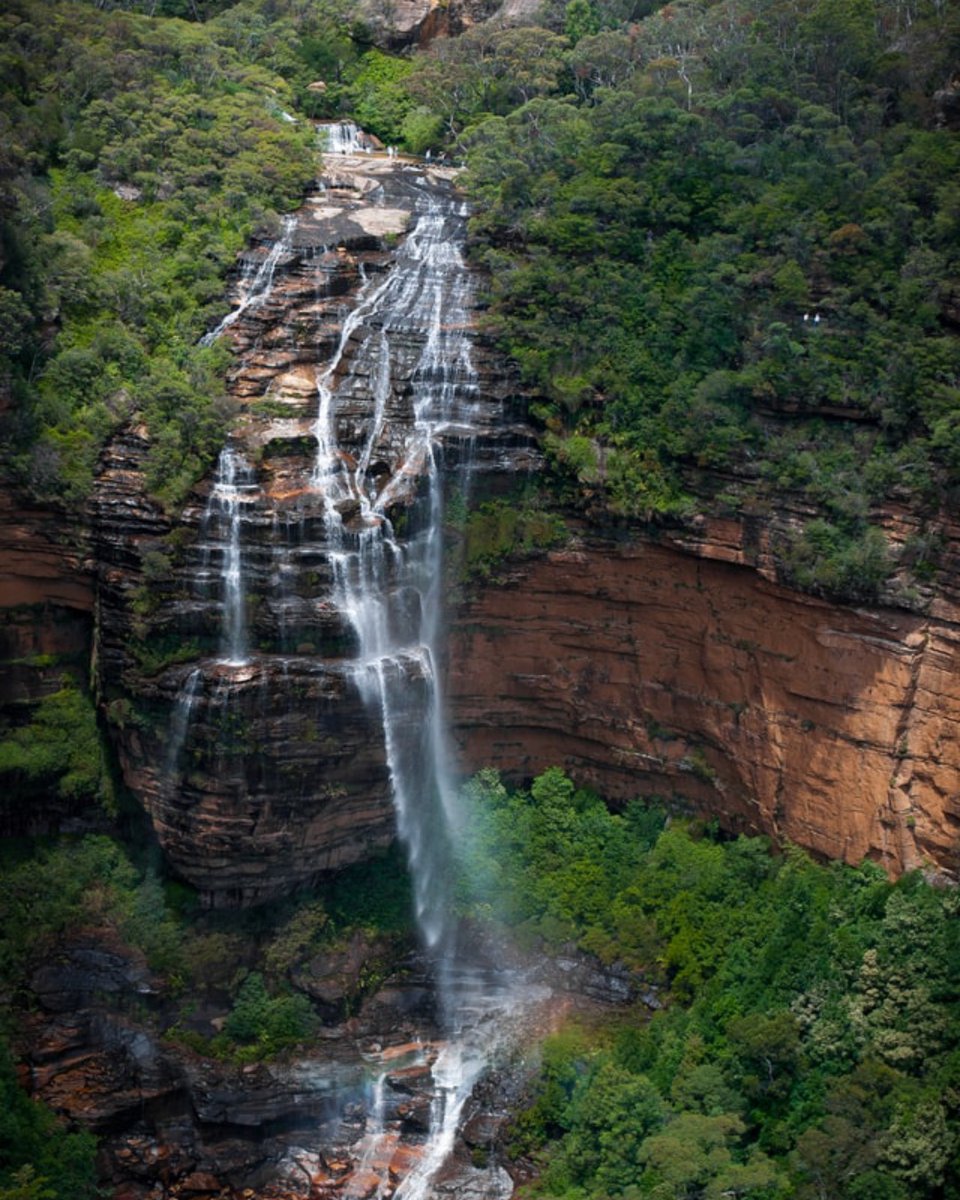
column 725, row 238
column 809, row 1046
column 59, row 750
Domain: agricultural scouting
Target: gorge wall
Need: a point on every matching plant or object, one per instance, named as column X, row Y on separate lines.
column 678, row 668
column 670, row 664
column 228, row 636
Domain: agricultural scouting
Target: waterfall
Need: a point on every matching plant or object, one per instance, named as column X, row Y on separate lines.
column 256, row 283
column 391, row 590
column 180, row 724
column 342, row 137
column 234, row 487
column 346, row 555
column 457, row 1069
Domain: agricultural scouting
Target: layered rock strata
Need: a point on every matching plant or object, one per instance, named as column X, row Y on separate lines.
column 348, row 1115
column 46, row 626
column 258, row 763
column 679, row 668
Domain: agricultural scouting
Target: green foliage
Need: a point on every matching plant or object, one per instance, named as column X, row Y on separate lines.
column 830, row 561
column 612, row 1114
column 39, row 1159
column 377, row 97
column 140, row 155
column 656, row 238
column 300, row 935
column 553, row 860
column 55, row 890
column 162, row 651
column 500, row 528
column 61, row 749
column 148, row 923
column 373, row 895
column 269, row 1023
column 422, row 130
column 809, row 1048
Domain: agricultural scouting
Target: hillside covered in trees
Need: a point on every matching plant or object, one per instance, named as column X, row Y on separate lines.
column 722, row 237
column 720, row 243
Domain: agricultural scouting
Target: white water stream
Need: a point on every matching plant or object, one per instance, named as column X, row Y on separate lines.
column 342, row 137
column 256, row 282
column 234, row 489
column 180, row 725
column 400, row 383
column 391, row 591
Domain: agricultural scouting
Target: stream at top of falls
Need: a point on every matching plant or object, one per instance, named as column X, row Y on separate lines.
column 404, row 342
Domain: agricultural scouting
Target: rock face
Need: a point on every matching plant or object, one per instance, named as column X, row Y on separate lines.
column 678, row 669
column 674, row 666
column 171, row 1122
column 46, row 601
column 226, row 660
column 348, row 1115
column 405, row 23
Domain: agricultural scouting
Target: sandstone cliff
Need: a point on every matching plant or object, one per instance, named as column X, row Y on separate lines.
column 260, row 765
column 677, row 668
column 671, row 664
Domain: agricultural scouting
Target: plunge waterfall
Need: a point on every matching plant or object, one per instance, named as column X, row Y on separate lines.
column 372, row 510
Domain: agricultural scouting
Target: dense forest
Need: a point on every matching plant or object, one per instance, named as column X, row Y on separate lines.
column 807, row 1040
column 722, row 245
column 809, row 1047
column 722, row 240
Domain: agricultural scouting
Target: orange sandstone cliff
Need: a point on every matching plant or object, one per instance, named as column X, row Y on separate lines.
column 668, row 663
column 679, row 670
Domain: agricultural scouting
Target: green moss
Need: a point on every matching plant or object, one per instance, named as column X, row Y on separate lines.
column 501, row 528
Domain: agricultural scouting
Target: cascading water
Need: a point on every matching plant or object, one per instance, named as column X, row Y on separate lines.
column 256, row 283
column 346, row 557
column 342, row 137
column 180, row 725
column 390, row 590
column 234, row 488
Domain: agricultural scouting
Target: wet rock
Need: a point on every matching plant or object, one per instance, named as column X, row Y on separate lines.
column 410, row 1080
column 613, row 984
column 483, row 1129
column 199, row 1181
column 260, row 771
column 473, row 1183
column 414, row 1114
